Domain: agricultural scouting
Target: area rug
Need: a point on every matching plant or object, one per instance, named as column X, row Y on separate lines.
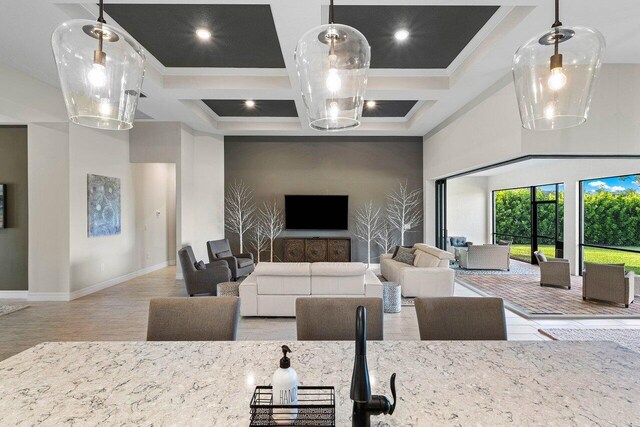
column 524, row 295
column 516, row 267
column 629, row 338
column 8, row 309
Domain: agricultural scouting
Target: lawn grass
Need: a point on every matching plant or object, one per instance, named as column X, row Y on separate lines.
column 630, row 260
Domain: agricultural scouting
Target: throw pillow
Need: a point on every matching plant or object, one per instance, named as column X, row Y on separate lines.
column 405, row 257
column 200, row 265
column 424, row 259
column 542, row 257
column 403, row 249
column 223, row 254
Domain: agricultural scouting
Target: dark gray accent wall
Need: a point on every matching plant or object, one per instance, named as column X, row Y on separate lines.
column 362, row 168
column 14, row 240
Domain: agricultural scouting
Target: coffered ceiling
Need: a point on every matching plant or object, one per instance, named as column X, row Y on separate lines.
column 242, row 36
column 435, row 34
column 252, row 108
column 452, row 52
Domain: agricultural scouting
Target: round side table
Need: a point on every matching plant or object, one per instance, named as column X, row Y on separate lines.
column 229, row 289
column 391, row 297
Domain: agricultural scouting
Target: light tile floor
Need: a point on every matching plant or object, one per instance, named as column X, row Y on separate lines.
column 404, row 325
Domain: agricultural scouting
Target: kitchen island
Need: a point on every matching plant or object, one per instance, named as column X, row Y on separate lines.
column 211, row 383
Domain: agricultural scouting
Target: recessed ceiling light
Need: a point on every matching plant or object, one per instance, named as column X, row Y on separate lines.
column 203, row 34
column 401, row 35
column 371, row 104
column 250, row 103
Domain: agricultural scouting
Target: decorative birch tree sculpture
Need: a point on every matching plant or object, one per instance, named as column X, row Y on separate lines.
column 404, row 209
column 239, row 210
column 367, row 226
column 272, row 220
column 258, row 240
column 387, row 238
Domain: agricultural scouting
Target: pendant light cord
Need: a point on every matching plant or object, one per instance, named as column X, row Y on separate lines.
column 101, row 14
column 557, row 23
column 330, row 12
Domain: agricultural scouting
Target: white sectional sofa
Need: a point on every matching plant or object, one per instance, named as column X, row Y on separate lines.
column 429, row 276
column 272, row 289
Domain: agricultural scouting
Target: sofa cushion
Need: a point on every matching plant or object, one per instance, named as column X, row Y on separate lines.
column 283, row 285
column 405, row 257
column 424, row 259
column 338, row 269
column 337, row 285
column 458, row 241
column 283, row 269
column 200, row 265
column 432, row 250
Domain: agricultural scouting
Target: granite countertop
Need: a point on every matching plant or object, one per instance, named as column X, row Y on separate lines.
column 211, row 383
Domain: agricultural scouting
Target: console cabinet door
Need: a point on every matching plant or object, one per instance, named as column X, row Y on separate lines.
column 294, row 250
column 339, row 250
column 316, row 250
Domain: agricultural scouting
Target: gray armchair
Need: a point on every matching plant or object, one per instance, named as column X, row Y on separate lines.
column 607, row 282
column 240, row 264
column 202, row 281
column 553, row 271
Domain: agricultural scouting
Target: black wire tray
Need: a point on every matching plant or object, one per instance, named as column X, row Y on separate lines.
column 316, row 407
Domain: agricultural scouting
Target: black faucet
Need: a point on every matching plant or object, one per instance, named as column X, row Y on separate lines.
column 365, row 405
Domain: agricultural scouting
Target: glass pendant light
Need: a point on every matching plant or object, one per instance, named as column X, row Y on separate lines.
column 101, row 70
column 554, row 75
column 333, row 62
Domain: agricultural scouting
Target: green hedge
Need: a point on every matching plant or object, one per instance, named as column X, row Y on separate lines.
column 610, row 218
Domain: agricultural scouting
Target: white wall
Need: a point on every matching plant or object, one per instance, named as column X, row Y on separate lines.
column 98, row 259
column 144, row 189
column 155, row 192
column 63, row 262
column 199, row 163
column 208, row 200
column 48, row 152
column 491, row 131
column 468, row 208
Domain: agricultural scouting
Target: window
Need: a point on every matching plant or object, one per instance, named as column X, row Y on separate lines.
column 610, row 221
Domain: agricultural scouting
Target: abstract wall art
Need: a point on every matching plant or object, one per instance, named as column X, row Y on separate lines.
column 103, row 206
column 3, row 205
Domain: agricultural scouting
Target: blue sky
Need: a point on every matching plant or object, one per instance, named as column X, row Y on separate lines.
column 613, row 185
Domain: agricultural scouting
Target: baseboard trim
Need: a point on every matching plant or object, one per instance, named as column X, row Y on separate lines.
column 48, row 296
column 116, row 281
column 13, row 294
column 172, row 262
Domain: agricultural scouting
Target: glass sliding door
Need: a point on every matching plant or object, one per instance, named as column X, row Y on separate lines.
column 531, row 218
column 548, row 223
column 610, row 221
column 512, row 220
column 441, row 214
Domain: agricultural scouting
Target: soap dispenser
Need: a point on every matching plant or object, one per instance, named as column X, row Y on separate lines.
column 285, row 390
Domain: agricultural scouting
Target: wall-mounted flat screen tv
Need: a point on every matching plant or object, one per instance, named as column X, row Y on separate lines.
column 3, row 205
column 316, row 212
